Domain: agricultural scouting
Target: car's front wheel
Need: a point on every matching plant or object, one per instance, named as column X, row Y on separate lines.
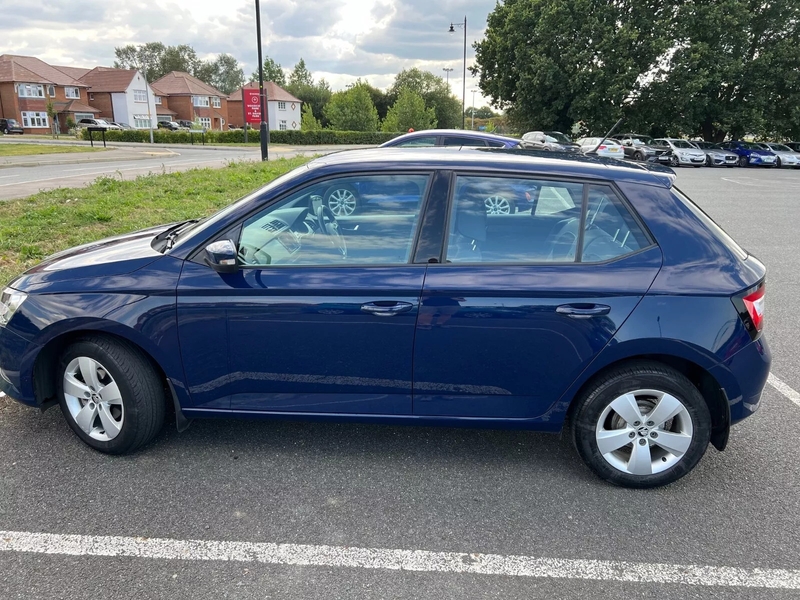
column 642, row 425
column 638, row 156
column 743, row 162
column 110, row 394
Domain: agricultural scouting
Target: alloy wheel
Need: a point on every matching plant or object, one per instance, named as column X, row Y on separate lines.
column 342, row 202
column 644, row 432
column 93, row 399
column 497, row 205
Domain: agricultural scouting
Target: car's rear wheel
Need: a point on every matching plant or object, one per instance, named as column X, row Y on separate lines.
column 499, row 205
column 342, row 200
column 110, row 394
column 638, row 156
column 642, row 425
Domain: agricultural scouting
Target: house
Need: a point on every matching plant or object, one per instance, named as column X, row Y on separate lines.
column 161, row 99
column 28, row 85
column 191, row 99
column 121, row 95
column 284, row 111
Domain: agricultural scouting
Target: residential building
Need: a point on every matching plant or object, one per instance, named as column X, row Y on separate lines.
column 28, row 85
column 161, row 101
column 122, row 96
column 284, row 111
column 191, row 99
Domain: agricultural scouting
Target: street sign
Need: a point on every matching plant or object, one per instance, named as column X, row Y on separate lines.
column 252, row 105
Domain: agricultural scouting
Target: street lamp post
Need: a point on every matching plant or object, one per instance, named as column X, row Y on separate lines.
column 264, row 130
column 447, row 70
column 148, row 91
column 464, row 90
column 473, row 110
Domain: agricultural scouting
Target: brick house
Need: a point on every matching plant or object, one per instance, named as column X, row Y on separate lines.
column 163, row 112
column 28, row 84
column 284, row 111
column 189, row 99
column 121, row 95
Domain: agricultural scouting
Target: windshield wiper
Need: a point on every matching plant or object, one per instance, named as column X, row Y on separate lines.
column 176, row 231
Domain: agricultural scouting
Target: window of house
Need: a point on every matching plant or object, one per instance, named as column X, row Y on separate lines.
column 35, row 119
column 157, row 99
column 31, row 90
column 72, row 92
column 141, row 122
column 215, row 102
column 282, row 125
column 51, row 91
column 281, row 105
column 200, row 101
column 91, row 97
column 140, row 95
column 205, row 122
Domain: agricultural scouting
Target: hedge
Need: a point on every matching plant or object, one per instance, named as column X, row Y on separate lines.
column 297, row 138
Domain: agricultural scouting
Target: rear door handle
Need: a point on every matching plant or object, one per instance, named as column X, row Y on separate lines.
column 583, row 311
column 386, row 308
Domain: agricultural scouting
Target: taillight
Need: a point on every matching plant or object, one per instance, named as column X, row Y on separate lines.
column 602, row 147
column 751, row 309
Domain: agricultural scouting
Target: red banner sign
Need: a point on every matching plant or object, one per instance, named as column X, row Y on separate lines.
column 252, row 105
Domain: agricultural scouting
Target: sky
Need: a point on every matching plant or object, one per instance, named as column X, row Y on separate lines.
column 339, row 40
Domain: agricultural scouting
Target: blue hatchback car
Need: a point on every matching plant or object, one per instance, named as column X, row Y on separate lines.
column 613, row 309
column 751, row 154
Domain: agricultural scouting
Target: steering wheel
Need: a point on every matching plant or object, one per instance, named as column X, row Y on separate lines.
column 330, row 227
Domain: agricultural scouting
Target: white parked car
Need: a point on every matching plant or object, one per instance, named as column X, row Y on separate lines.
column 97, row 123
column 609, row 148
column 683, row 152
column 786, row 156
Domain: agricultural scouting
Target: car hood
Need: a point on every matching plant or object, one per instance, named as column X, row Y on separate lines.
column 108, row 257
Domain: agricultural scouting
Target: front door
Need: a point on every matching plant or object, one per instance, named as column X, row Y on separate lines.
column 525, row 300
column 321, row 316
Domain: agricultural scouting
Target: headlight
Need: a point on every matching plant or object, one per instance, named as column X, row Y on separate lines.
column 10, row 301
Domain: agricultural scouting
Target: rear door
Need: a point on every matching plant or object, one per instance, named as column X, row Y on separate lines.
column 520, row 303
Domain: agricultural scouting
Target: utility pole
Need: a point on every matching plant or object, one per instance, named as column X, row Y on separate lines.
column 147, row 90
column 464, row 89
column 473, row 110
column 264, row 130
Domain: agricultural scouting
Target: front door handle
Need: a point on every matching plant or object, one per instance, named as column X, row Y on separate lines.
column 386, row 308
column 583, row 311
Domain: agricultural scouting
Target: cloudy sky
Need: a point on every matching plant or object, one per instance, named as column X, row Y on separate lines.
column 339, row 39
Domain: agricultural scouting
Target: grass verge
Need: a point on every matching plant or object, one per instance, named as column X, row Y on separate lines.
column 33, row 227
column 7, row 149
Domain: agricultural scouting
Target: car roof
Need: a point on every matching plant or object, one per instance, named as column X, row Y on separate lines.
column 456, row 132
column 524, row 162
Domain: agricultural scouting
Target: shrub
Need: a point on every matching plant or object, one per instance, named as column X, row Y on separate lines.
column 295, row 138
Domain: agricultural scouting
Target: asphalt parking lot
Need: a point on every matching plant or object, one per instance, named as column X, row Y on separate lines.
column 390, row 512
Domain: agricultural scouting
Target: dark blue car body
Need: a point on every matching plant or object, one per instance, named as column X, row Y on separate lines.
column 293, row 342
column 452, row 138
column 750, row 154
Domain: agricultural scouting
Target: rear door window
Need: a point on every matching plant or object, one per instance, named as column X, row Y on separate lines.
column 463, row 141
column 420, row 142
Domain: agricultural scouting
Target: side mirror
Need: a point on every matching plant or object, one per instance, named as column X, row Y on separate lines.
column 221, row 256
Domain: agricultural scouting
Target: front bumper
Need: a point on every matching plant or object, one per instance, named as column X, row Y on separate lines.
column 13, row 349
column 766, row 161
column 724, row 161
column 691, row 160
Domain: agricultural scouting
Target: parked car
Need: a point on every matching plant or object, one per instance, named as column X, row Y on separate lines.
column 793, row 145
column 716, row 155
column 184, row 124
column 121, row 125
column 750, row 154
column 610, row 148
column 451, row 137
column 171, row 125
column 785, row 156
column 640, row 147
column 683, row 153
column 549, row 140
column 102, row 123
column 9, row 126
column 641, row 334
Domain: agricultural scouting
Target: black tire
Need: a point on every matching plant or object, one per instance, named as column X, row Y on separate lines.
column 743, row 162
column 673, row 161
column 5, row 130
column 638, row 156
column 326, row 198
column 141, row 389
column 640, row 375
column 778, row 162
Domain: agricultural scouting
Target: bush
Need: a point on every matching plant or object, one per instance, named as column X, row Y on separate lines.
column 296, row 138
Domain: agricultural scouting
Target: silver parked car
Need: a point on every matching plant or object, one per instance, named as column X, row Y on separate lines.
column 548, row 140
column 786, row 156
column 609, row 148
column 716, row 155
column 683, row 153
column 640, row 147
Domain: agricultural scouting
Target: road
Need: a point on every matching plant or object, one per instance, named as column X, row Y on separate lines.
column 352, row 502
column 48, row 172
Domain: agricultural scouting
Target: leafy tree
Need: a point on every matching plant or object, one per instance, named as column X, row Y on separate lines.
column 227, row 75
column 434, row 90
column 272, row 72
column 301, row 75
column 147, row 57
column 409, row 112
column 352, row 110
column 316, row 95
column 481, row 113
column 554, row 62
column 379, row 98
column 308, row 122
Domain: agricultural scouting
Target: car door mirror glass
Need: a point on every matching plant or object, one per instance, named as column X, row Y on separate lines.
column 221, row 256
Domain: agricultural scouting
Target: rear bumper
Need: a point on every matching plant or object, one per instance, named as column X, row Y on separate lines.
column 744, row 376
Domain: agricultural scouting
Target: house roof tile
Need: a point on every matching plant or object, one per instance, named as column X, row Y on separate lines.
column 74, row 106
column 106, row 79
column 74, row 72
column 275, row 93
column 44, row 73
column 178, row 83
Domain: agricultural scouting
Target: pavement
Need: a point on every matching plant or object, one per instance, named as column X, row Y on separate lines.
column 308, row 510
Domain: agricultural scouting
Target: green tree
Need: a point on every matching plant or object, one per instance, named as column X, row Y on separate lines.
column 157, row 60
column 380, row 99
column 553, row 62
column 272, row 72
column 227, row 75
column 352, row 110
column 300, row 75
column 409, row 112
column 316, row 95
column 434, row 90
column 308, row 122
column 481, row 113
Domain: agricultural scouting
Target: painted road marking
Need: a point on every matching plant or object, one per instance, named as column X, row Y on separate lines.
column 397, row 560
column 784, row 389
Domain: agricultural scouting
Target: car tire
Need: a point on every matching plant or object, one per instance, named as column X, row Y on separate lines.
column 110, row 394
column 343, row 200
column 5, row 131
column 778, row 162
column 638, row 156
column 674, row 162
column 743, row 162
column 641, row 461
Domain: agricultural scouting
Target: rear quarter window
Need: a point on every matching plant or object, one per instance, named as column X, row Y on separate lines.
column 710, row 224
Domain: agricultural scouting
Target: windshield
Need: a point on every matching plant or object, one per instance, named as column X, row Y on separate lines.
column 12, row 122
column 557, row 136
column 101, row 122
column 681, row 144
column 780, row 147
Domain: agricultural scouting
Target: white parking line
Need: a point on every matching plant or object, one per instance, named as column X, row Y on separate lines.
column 784, row 389
column 397, row 560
